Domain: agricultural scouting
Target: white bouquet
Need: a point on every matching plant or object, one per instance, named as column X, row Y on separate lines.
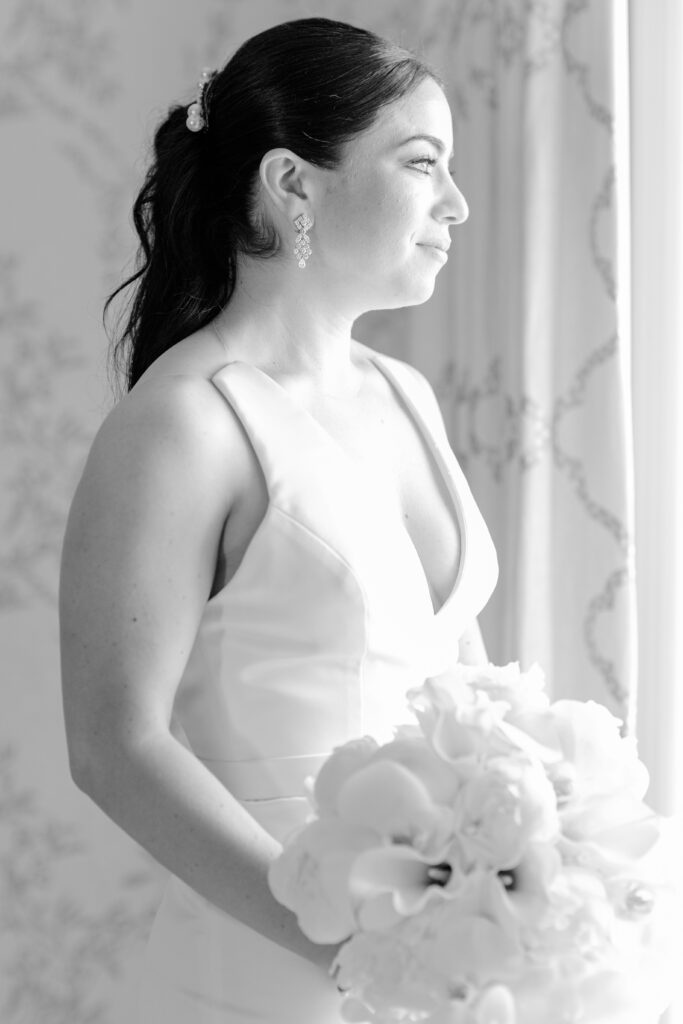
column 493, row 863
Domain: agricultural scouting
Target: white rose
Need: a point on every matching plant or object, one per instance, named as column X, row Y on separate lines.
column 594, row 758
column 505, row 804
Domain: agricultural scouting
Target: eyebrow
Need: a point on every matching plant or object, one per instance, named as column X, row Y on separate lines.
column 437, row 143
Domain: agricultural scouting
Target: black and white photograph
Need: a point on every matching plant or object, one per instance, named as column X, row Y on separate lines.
column 341, row 567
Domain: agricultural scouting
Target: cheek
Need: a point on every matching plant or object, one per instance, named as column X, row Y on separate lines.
column 389, row 210
column 371, row 217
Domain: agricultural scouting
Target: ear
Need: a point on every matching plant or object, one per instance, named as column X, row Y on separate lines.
column 285, row 179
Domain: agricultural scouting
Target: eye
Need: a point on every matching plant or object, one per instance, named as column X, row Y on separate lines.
column 424, row 160
column 431, row 161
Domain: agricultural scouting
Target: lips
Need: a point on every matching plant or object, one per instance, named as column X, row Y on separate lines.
column 436, row 250
column 444, row 246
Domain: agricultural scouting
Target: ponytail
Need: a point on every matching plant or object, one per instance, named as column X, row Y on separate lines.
column 186, row 258
column 309, row 86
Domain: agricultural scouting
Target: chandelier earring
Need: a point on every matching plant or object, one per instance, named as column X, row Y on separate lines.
column 302, row 248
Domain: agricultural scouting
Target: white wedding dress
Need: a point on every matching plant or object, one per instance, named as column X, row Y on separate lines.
column 326, row 623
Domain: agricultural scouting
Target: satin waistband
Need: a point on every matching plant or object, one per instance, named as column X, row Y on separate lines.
column 265, row 778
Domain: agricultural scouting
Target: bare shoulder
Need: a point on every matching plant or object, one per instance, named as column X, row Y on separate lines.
column 167, row 410
column 176, row 414
column 163, row 474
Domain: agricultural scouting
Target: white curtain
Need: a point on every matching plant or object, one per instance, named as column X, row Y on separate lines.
column 657, row 203
column 656, row 55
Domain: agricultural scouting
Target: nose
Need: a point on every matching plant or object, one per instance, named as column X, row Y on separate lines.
column 455, row 208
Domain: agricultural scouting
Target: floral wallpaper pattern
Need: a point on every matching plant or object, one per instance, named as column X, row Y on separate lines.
column 58, row 949
column 522, row 341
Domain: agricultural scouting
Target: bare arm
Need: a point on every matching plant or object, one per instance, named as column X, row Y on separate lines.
column 137, row 568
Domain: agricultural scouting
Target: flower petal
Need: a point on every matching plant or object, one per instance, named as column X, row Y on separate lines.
column 417, row 756
column 398, row 870
column 310, row 877
column 388, row 798
column 342, row 763
column 621, row 824
column 496, row 1005
column 378, row 913
column 474, row 947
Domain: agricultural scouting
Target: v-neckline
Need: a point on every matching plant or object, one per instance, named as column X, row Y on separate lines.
column 433, row 448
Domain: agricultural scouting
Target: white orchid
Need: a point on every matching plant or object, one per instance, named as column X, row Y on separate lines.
column 391, row 882
column 392, row 800
column 311, row 875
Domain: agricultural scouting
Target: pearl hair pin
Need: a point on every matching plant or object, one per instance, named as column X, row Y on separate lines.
column 197, row 117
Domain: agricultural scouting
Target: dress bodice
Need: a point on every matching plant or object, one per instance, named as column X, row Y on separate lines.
column 328, row 619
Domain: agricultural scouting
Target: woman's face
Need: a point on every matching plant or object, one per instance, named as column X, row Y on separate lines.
column 379, row 215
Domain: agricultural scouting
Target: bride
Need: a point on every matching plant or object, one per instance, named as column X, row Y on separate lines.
column 272, row 539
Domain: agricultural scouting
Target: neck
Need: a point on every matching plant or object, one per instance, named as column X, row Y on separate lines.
column 288, row 327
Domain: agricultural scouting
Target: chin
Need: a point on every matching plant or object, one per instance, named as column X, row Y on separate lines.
column 419, row 290
column 406, row 289
column 411, row 289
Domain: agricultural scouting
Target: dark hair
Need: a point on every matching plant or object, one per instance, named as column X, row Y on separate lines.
column 308, row 85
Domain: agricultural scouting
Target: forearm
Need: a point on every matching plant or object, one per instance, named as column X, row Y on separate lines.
column 172, row 805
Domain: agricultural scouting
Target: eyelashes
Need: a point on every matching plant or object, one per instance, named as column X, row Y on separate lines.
column 431, row 161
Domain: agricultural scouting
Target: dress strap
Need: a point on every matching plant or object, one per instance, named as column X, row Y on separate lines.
column 408, row 382
column 277, row 428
